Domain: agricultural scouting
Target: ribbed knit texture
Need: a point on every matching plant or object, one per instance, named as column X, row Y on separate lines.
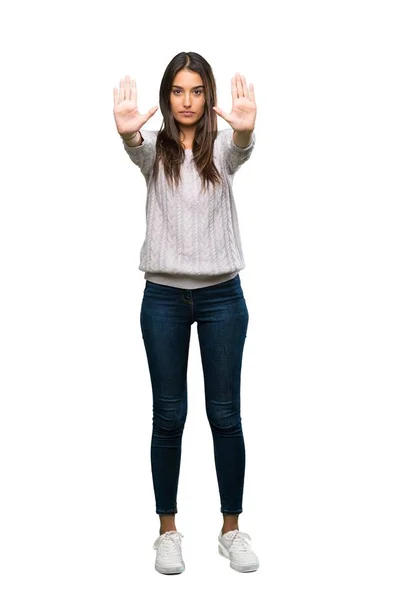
column 189, row 231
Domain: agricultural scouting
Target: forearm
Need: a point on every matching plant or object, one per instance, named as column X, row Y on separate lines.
column 242, row 139
column 134, row 139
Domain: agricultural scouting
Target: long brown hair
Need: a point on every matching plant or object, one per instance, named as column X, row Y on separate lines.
column 169, row 149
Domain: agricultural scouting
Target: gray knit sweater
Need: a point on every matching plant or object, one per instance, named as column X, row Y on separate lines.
column 192, row 236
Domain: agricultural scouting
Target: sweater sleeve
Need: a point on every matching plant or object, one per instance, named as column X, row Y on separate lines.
column 144, row 155
column 233, row 156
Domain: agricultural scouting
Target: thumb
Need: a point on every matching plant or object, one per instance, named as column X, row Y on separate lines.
column 221, row 113
column 152, row 111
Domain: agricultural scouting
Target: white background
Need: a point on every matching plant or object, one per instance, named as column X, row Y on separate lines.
column 318, row 210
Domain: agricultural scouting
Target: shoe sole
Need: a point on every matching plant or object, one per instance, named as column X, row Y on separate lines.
column 170, row 570
column 241, row 568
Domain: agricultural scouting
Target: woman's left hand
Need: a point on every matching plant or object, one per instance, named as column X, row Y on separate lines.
column 244, row 109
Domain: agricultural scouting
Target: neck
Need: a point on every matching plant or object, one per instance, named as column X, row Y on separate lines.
column 187, row 136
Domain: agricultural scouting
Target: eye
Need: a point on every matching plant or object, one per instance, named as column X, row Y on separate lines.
column 196, row 92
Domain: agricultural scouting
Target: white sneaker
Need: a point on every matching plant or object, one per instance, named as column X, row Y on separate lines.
column 235, row 546
column 169, row 554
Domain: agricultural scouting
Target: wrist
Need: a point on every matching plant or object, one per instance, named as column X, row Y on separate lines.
column 128, row 136
column 248, row 131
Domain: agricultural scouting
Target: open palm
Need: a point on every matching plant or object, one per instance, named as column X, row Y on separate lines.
column 126, row 114
column 244, row 109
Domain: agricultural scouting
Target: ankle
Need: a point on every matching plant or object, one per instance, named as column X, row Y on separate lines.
column 165, row 529
column 167, row 523
column 229, row 526
column 226, row 529
column 231, row 522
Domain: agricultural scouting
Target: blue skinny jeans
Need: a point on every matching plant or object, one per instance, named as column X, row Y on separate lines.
column 166, row 316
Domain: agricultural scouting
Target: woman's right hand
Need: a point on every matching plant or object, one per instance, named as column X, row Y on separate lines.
column 127, row 117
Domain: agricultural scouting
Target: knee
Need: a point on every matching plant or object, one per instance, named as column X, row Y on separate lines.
column 225, row 419
column 169, row 416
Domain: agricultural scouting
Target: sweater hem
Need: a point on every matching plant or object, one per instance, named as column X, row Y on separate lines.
column 188, row 281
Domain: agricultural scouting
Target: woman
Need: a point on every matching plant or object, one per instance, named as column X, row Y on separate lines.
column 191, row 258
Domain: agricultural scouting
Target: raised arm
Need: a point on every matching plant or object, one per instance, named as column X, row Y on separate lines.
column 244, row 110
column 127, row 117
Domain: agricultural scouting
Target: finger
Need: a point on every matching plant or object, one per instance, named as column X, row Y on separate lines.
column 245, row 88
column 234, row 89
column 127, row 87
column 239, row 85
column 251, row 93
column 151, row 112
column 121, row 95
column 221, row 113
column 133, row 92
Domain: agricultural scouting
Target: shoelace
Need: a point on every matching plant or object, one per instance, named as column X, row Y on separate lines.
column 169, row 541
column 239, row 541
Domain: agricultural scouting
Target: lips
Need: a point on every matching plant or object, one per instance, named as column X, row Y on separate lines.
column 187, row 113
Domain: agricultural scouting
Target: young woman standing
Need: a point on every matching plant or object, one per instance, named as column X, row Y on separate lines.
column 191, row 258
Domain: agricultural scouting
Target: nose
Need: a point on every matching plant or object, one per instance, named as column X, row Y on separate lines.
column 187, row 102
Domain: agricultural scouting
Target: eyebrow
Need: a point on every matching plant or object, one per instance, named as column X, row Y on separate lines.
column 194, row 88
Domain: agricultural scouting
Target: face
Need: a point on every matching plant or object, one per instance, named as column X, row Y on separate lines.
column 187, row 94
